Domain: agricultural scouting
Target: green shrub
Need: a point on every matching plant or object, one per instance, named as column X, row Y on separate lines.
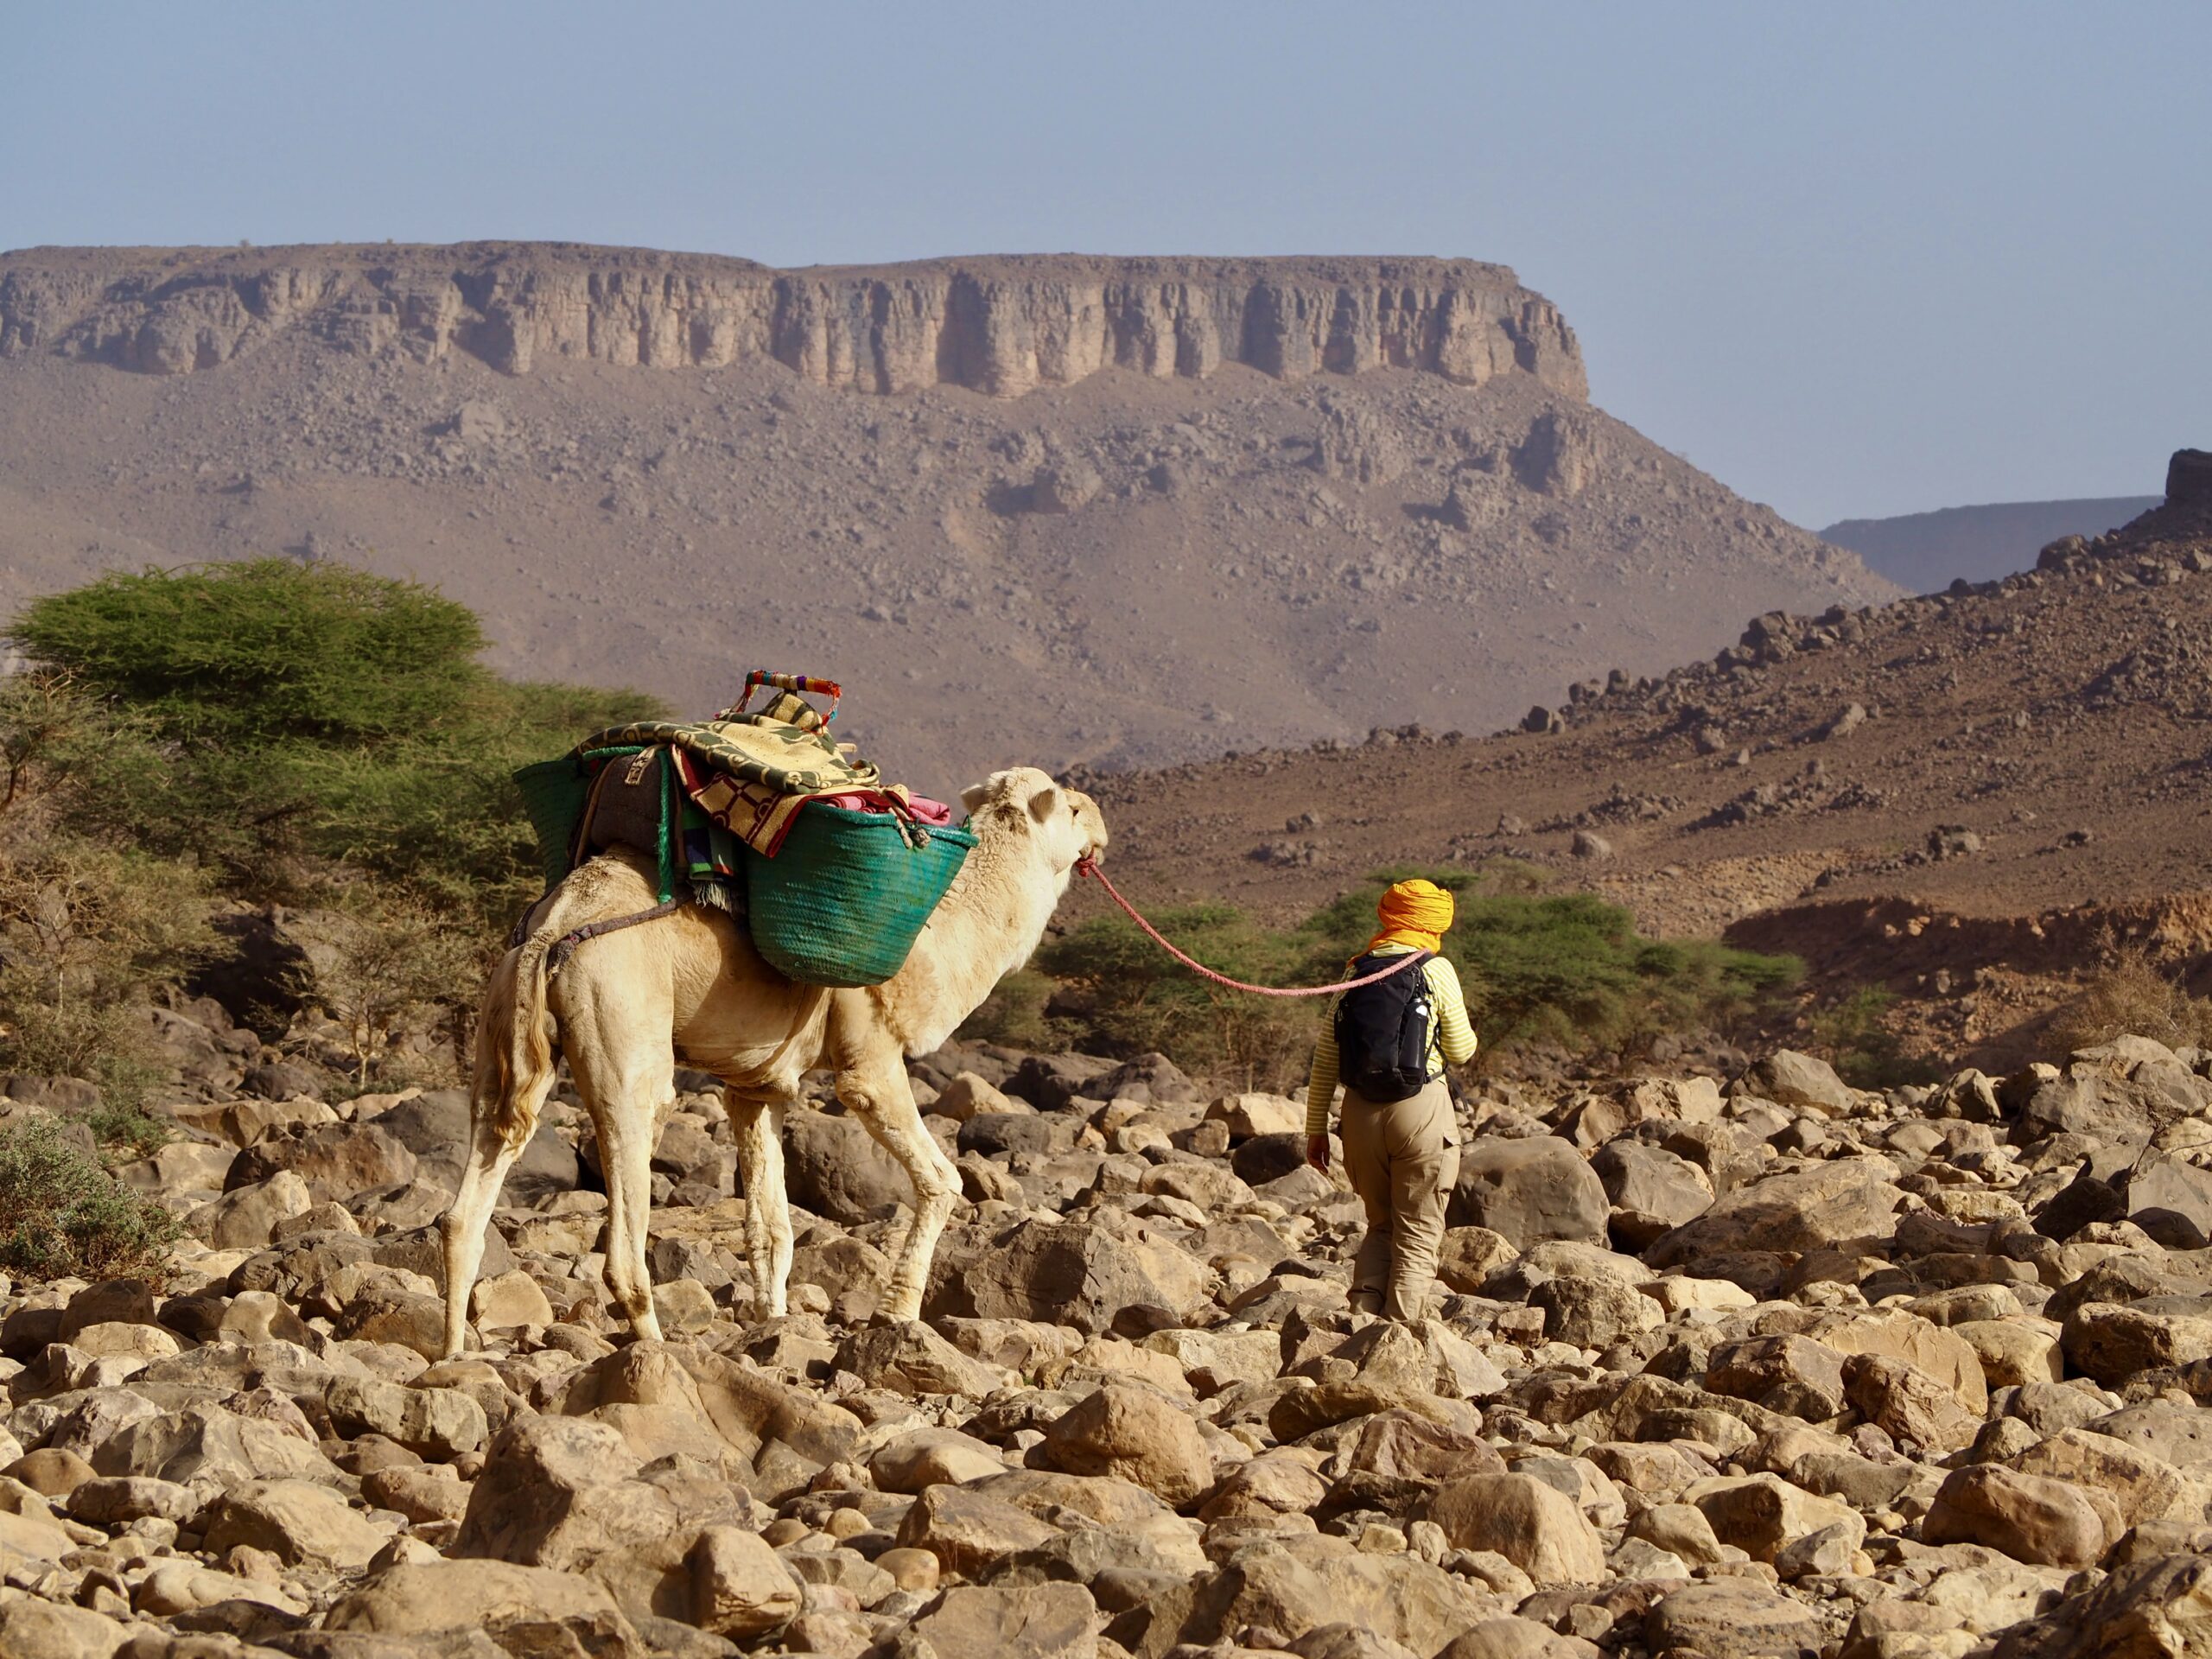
column 273, row 719
column 266, row 730
column 1857, row 1042
column 63, row 1216
column 1015, row 1014
column 265, row 651
column 1568, row 968
column 388, row 959
column 121, row 1119
column 1122, row 994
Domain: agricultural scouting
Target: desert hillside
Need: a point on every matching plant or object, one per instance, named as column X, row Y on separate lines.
column 1933, row 795
column 1061, row 509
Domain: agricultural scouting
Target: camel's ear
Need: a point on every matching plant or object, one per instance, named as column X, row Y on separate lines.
column 1045, row 803
column 973, row 797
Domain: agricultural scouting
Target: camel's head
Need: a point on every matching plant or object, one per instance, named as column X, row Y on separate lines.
column 1064, row 824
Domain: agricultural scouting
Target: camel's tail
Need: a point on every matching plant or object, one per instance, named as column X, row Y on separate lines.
column 516, row 1036
column 515, row 1039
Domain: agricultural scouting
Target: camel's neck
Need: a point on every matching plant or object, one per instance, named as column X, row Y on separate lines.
column 988, row 925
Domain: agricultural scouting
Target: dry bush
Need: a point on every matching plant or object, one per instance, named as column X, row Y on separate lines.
column 2131, row 996
column 383, row 961
column 88, row 932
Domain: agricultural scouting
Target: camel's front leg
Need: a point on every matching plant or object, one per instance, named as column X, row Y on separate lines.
column 877, row 1092
column 759, row 1126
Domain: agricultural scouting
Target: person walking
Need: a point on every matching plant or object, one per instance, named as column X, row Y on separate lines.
column 1390, row 1043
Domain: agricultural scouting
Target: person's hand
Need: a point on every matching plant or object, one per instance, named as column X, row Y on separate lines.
column 1317, row 1152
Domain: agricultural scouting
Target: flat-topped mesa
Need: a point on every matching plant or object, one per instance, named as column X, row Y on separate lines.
column 997, row 325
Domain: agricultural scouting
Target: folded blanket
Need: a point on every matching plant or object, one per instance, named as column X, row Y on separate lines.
column 752, row 774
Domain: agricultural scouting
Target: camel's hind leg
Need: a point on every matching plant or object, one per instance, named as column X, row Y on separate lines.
column 628, row 1128
column 876, row 1091
column 628, row 1084
column 461, row 1229
column 758, row 1124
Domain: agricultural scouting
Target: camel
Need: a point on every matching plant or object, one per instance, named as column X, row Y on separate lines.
column 628, row 1003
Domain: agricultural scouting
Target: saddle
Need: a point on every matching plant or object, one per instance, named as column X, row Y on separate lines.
column 764, row 817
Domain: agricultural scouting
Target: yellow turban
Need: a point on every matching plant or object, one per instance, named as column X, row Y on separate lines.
column 1414, row 913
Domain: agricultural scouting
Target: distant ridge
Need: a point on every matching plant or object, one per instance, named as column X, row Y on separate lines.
column 1052, row 508
column 1928, row 551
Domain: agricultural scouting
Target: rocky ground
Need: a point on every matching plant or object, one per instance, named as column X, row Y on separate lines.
column 1954, row 798
column 1755, row 1367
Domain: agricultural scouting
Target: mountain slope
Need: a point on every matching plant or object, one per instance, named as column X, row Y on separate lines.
column 1051, row 509
column 1911, row 794
column 1926, row 552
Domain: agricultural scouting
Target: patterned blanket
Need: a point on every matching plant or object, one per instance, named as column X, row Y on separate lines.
column 752, row 773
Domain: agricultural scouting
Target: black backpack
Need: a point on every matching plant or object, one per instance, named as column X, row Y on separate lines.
column 1382, row 1031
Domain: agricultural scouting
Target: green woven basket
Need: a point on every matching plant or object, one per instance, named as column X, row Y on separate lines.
column 554, row 795
column 845, row 896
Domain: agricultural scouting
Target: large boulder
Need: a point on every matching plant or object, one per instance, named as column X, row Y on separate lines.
column 1942, row 1352
column 1293, row 1584
column 558, row 1493
column 439, row 1423
column 1132, row 1433
column 1080, row 1273
column 2143, row 1486
column 969, row 1533
column 1821, row 1207
column 835, row 1167
column 1651, row 1189
column 2113, row 1342
column 434, row 1126
column 1529, row 1191
column 34, row 1629
column 300, row 1523
column 930, row 1457
column 1763, row 1515
column 336, row 1160
column 912, row 1359
column 1734, row 1619
column 2123, row 1091
column 2030, row 1517
column 1034, row 1621
column 740, row 1588
column 1049, row 1082
column 1534, row 1526
column 208, row 1443
column 1803, row 1081
column 245, row 1218
column 1788, row 1374
column 420, row 1599
column 2159, row 1607
column 2169, row 1199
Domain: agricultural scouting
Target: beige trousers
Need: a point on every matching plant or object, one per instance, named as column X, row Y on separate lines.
column 1403, row 1160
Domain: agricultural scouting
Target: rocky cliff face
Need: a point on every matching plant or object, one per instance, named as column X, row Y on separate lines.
column 998, row 326
column 1393, row 499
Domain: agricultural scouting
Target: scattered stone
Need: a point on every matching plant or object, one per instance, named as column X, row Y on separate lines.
column 1792, row 1370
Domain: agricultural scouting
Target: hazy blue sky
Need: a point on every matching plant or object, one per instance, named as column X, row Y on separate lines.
column 1855, row 259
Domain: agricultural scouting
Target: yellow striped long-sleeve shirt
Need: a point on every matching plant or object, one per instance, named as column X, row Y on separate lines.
column 1451, row 1037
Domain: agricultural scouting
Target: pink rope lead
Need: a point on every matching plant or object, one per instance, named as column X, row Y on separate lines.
column 1089, row 867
